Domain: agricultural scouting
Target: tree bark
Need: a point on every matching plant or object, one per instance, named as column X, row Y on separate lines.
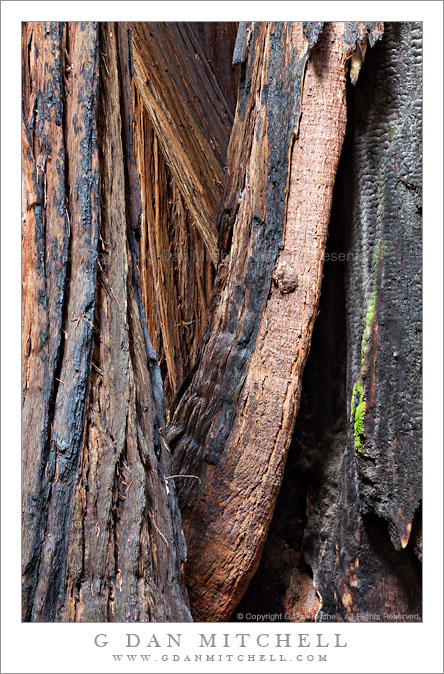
column 142, row 226
column 189, row 112
column 378, row 522
column 233, row 426
column 177, row 274
column 348, row 517
column 102, row 532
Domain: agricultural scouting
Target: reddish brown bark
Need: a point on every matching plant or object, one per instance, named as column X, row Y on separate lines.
column 102, row 537
column 226, row 517
column 176, row 272
column 189, row 113
column 101, row 530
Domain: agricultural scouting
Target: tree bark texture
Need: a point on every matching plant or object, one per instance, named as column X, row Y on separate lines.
column 177, row 273
column 351, row 495
column 288, row 133
column 102, row 531
column 182, row 336
column 380, row 486
column 189, row 113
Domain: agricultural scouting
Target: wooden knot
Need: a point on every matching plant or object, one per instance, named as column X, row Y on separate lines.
column 285, row 277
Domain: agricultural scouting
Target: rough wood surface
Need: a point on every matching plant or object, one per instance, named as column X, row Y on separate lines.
column 102, row 536
column 379, row 485
column 268, row 290
column 218, row 39
column 351, row 494
column 60, row 231
column 176, row 271
column 189, row 113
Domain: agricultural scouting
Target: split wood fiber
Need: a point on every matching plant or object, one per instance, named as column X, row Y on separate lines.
column 190, row 115
column 176, row 271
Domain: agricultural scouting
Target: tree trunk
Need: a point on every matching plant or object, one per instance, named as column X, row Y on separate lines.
column 102, row 532
column 348, row 517
column 175, row 220
column 234, row 431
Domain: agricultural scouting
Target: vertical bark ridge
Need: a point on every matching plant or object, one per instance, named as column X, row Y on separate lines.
column 56, row 218
column 101, row 527
column 126, row 549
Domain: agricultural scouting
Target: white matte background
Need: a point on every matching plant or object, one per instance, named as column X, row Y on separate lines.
column 60, row 647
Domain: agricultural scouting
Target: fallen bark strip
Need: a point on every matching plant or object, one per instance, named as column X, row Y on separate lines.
column 268, row 296
column 189, row 113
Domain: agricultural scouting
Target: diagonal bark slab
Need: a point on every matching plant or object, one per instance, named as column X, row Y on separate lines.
column 276, row 213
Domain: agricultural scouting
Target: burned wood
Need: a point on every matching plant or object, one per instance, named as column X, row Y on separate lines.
column 55, row 246
column 238, row 443
column 97, row 513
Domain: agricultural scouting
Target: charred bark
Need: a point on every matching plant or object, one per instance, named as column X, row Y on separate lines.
column 233, row 425
column 348, row 517
column 101, row 529
column 380, row 485
column 138, row 220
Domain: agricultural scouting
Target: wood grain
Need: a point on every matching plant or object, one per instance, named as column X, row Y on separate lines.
column 177, row 273
column 190, row 115
column 102, row 537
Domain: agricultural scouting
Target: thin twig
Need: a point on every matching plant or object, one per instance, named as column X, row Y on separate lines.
column 159, row 532
column 171, row 477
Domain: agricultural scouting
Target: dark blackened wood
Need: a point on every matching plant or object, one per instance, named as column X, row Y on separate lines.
column 352, row 502
column 233, row 425
column 189, row 113
column 378, row 522
column 218, row 39
column 102, row 532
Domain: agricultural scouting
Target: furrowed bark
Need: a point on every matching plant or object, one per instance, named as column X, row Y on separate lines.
column 268, row 291
column 60, row 251
column 189, row 113
column 351, row 496
column 102, row 532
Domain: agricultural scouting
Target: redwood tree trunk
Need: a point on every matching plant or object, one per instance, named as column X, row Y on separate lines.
column 102, row 532
column 348, row 517
column 171, row 199
column 234, row 424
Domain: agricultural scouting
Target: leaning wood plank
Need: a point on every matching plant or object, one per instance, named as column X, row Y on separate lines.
column 253, row 357
column 189, row 113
